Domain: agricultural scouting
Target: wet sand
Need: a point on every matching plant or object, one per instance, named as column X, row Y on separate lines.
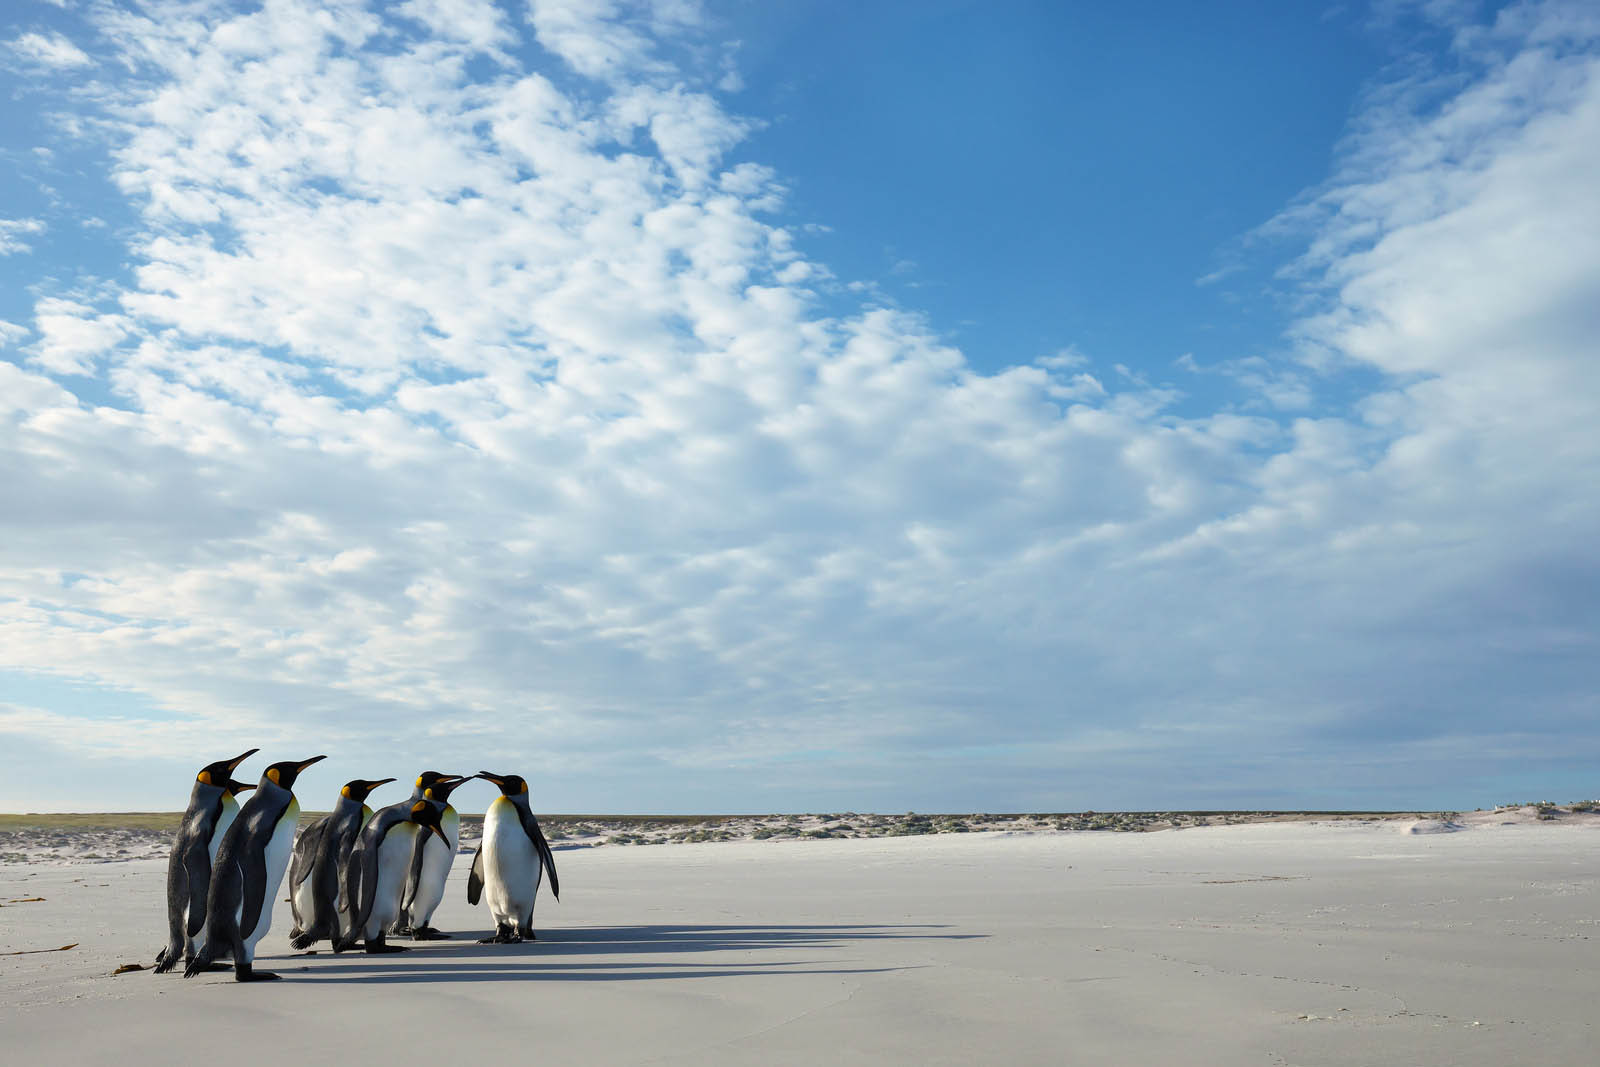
column 1273, row 943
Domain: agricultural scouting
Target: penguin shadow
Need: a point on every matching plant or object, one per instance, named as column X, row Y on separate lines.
column 561, row 954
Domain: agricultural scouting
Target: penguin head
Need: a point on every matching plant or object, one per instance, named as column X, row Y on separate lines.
column 359, row 788
column 426, row 814
column 511, row 785
column 443, row 786
column 220, row 773
column 283, row 774
column 427, row 779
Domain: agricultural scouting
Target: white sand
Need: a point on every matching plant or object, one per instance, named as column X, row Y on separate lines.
column 1265, row 944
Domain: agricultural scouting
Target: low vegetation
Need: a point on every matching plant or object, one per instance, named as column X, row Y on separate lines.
column 147, row 835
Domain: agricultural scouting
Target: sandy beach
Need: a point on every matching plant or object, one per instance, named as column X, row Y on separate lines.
column 1310, row 942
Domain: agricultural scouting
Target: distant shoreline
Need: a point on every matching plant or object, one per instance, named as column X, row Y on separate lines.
column 118, row 837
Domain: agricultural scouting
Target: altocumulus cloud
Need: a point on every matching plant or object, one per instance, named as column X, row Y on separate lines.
column 469, row 398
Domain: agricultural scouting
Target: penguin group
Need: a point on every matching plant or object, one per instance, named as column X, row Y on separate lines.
column 356, row 876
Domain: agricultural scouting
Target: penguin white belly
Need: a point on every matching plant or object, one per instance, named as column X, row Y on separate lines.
column 394, row 864
column 510, row 865
column 278, row 850
column 436, row 860
column 230, row 811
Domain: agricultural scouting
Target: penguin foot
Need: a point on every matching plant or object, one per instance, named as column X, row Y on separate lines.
column 382, row 947
column 428, row 933
column 165, row 961
column 504, row 934
column 400, row 930
column 246, row 973
column 302, row 940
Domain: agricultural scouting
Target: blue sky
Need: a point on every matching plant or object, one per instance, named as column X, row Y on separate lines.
column 735, row 406
column 1109, row 157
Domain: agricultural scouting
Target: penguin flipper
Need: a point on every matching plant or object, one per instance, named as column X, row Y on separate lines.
column 197, row 867
column 253, row 865
column 347, row 844
column 305, row 852
column 475, row 876
column 413, row 876
column 332, row 864
column 350, row 898
column 531, row 826
column 362, row 883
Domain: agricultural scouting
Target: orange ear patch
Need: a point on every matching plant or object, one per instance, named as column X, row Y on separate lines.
column 205, row 777
column 345, row 792
column 272, row 773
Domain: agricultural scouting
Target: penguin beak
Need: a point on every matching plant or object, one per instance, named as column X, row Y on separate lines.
column 240, row 787
column 233, row 764
column 434, row 829
column 373, row 785
column 306, row 763
column 486, row 776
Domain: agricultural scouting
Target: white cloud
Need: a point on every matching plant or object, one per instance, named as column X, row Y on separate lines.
column 613, row 40
column 49, row 50
column 498, row 412
column 476, row 23
column 72, row 335
column 11, row 231
column 124, row 737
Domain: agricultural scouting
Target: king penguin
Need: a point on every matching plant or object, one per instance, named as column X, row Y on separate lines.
column 375, row 875
column 249, row 868
column 212, row 807
column 317, row 868
column 431, row 857
column 506, row 865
